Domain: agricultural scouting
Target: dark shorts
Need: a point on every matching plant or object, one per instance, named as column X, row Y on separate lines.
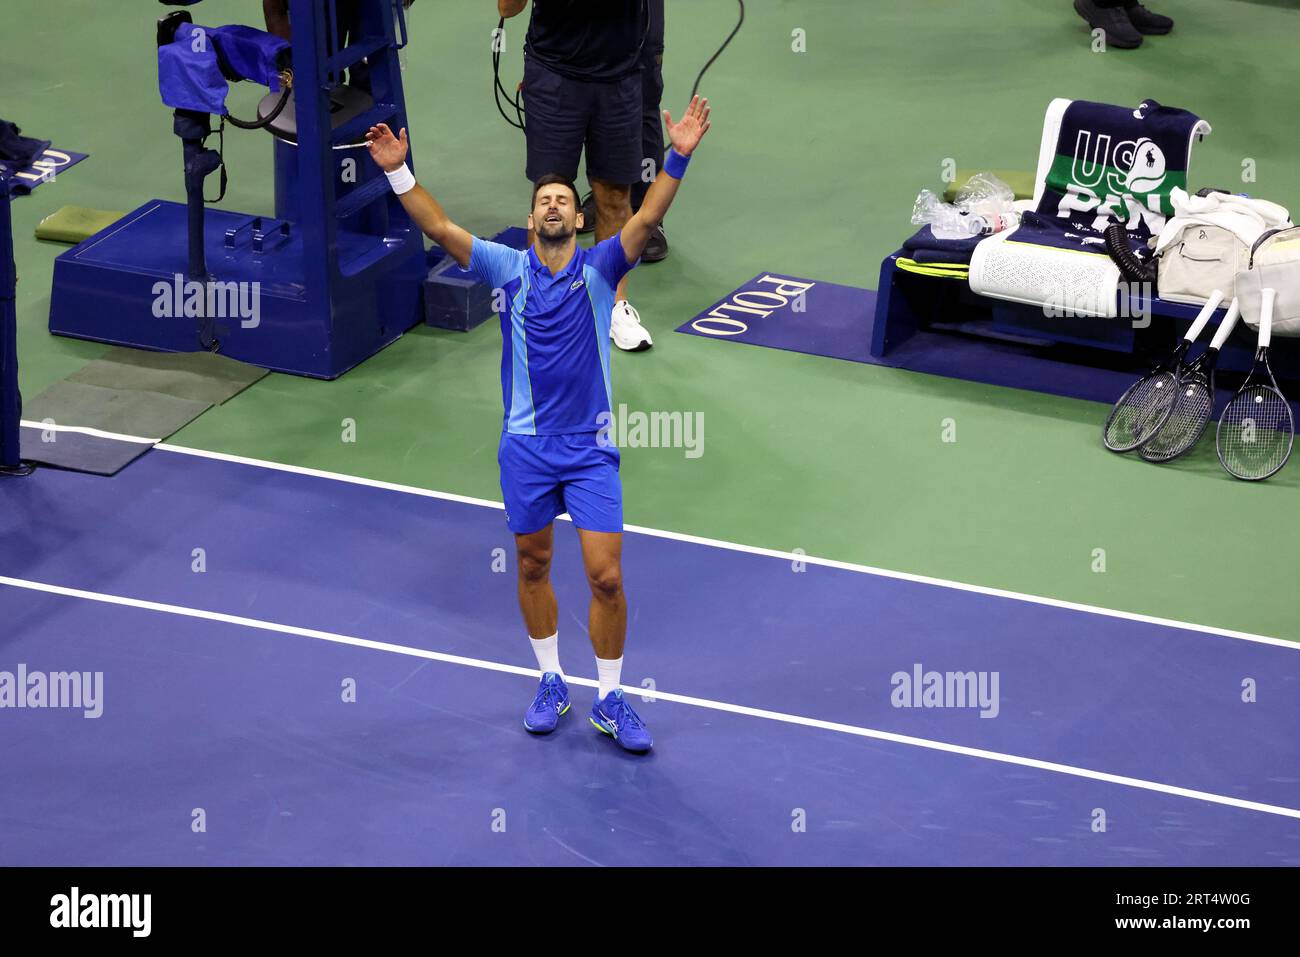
column 562, row 116
column 543, row 476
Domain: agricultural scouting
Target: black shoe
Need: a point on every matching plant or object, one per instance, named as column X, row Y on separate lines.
column 656, row 247
column 1152, row 24
column 1118, row 28
column 588, row 214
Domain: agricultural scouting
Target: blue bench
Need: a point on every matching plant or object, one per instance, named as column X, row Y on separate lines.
column 907, row 302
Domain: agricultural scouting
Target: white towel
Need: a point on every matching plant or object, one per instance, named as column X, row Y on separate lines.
column 1245, row 217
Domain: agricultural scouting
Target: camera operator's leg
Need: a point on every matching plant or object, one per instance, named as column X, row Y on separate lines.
column 652, row 149
column 613, row 165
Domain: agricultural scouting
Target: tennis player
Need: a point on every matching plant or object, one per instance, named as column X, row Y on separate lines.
column 555, row 385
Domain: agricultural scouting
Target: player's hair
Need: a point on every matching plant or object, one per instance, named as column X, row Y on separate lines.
column 550, row 179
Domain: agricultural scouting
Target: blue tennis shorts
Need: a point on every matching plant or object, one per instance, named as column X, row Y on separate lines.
column 543, row 476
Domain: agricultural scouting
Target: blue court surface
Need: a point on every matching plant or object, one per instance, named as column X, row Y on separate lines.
column 778, row 738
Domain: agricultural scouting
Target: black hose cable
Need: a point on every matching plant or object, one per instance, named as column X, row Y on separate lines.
column 1130, row 266
column 265, row 121
column 704, row 69
column 695, row 88
column 497, row 89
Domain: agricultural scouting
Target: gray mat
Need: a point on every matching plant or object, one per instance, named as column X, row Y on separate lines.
column 84, row 453
column 200, row 376
column 151, row 416
column 148, row 415
column 129, row 392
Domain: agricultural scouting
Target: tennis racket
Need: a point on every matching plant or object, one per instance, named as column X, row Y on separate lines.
column 1196, row 400
column 1256, row 430
column 1147, row 404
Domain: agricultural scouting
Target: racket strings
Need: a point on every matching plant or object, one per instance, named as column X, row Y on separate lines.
column 1141, row 412
column 1186, row 423
column 1256, row 431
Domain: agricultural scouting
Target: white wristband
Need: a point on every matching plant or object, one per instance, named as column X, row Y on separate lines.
column 402, row 179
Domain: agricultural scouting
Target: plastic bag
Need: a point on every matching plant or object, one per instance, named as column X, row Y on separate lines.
column 984, row 191
column 984, row 205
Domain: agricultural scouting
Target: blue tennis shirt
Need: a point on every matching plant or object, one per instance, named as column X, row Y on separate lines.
column 554, row 334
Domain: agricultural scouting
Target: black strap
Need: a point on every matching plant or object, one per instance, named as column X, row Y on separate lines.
column 221, row 151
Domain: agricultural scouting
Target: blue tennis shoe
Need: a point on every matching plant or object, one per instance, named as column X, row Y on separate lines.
column 615, row 717
column 552, row 701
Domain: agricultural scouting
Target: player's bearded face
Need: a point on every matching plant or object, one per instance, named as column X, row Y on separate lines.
column 555, row 215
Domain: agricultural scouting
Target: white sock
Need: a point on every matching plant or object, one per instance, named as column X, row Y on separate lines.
column 610, row 673
column 547, row 651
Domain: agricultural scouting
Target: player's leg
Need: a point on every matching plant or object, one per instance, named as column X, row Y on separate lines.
column 536, row 597
column 537, row 602
column 611, row 713
column 533, row 498
column 593, row 496
column 602, row 557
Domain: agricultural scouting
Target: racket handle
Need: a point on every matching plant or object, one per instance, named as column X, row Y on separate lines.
column 1203, row 318
column 1266, row 316
column 1226, row 325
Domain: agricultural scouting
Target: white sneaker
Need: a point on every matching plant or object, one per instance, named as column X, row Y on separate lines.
column 626, row 330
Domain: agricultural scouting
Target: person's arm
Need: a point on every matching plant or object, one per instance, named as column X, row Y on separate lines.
column 389, row 152
column 510, row 8
column 276, row 13
column 685, row 137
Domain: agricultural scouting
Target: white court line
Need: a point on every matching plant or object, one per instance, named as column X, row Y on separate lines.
column 766, row 552
column 850, row 729
column 87, row 430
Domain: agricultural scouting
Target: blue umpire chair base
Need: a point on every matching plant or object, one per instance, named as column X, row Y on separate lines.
column 127, row 285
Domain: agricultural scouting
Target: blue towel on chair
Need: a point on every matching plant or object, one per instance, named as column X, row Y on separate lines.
column 953, row 250
column 1112, row 164
column 937, row 257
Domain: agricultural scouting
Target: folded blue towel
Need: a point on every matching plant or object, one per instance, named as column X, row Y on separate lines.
column 954, row 250
column 939, row 257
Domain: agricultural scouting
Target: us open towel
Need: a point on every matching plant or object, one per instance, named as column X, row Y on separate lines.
column 1097, row 164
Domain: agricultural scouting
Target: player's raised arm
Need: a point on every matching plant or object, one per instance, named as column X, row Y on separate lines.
column 685, row 137
column 389, row 152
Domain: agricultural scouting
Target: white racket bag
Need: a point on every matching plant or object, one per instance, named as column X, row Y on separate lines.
column 1274, row 263
column 1207, row 244
column 1198, row 260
